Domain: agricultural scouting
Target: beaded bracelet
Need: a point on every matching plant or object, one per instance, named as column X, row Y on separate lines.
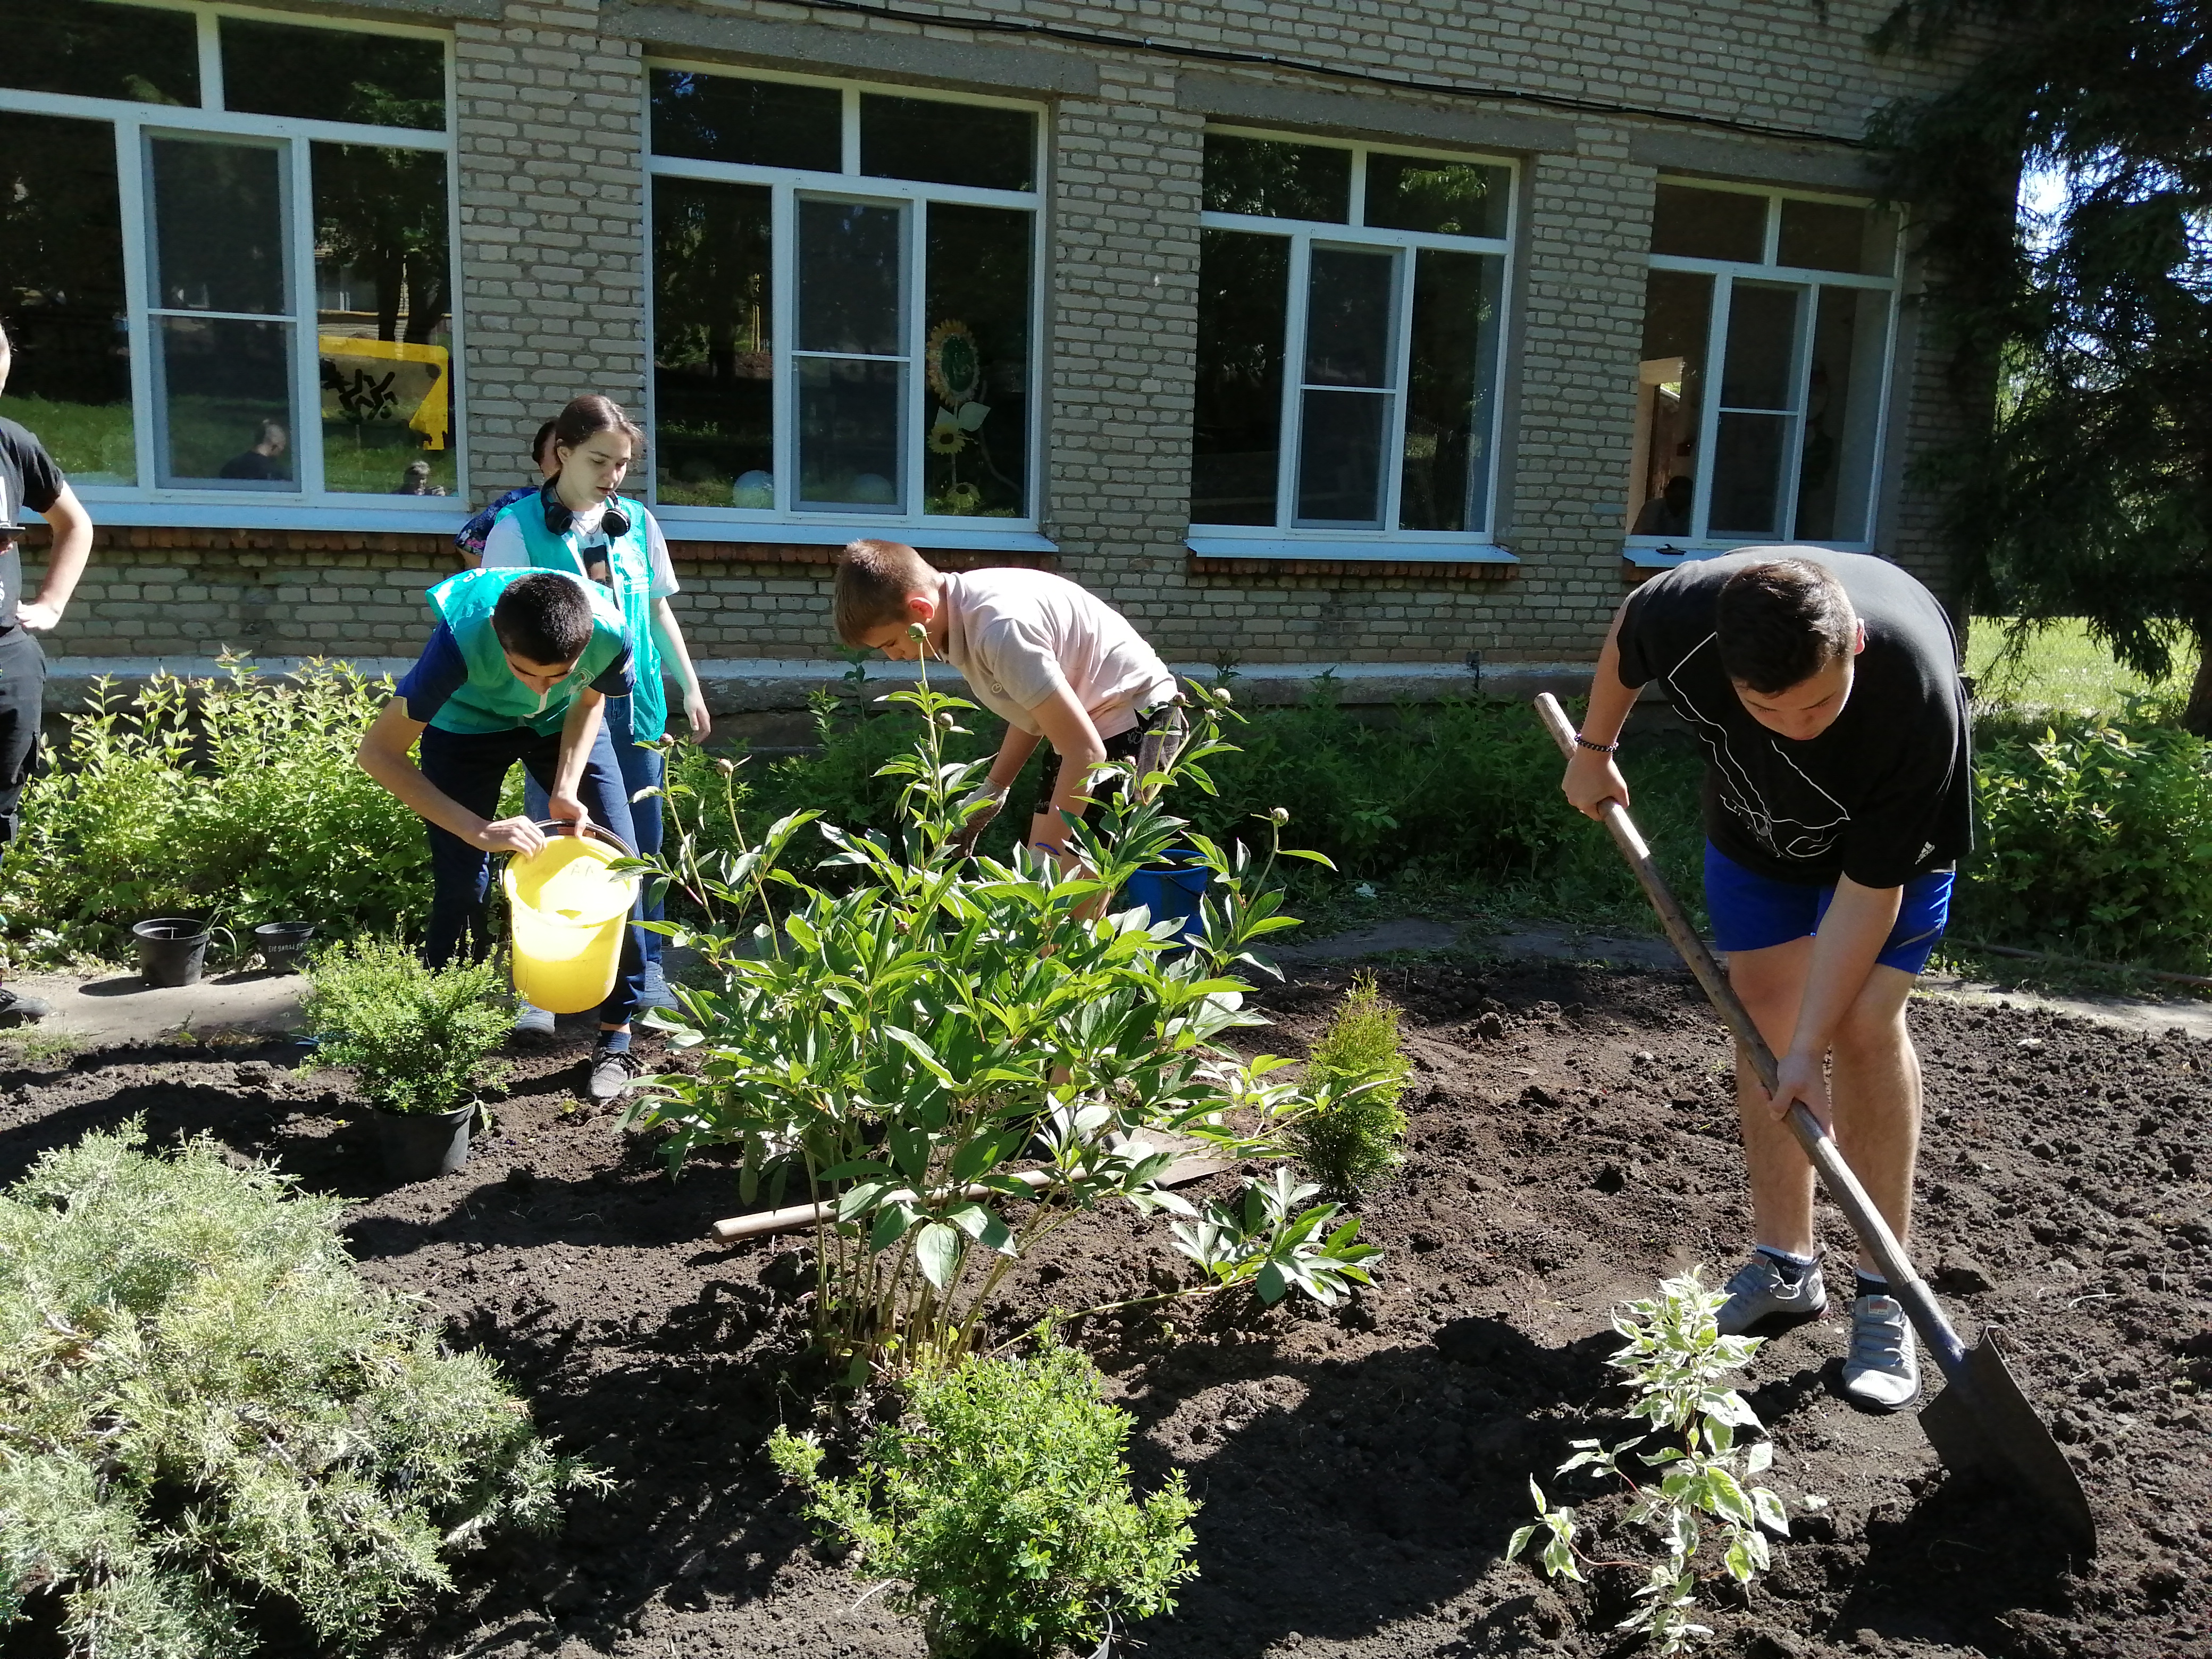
column 1596, row 748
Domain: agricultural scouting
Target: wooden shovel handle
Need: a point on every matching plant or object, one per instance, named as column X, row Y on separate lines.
column 1906, row 1284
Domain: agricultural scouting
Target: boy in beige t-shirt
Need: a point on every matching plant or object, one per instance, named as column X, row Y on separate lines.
column 1055, row 662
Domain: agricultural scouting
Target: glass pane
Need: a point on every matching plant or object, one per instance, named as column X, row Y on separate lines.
column 1348, row 318
column 333, row 74
column 1678, row 312
column 219, row 219
column 1243, row 291
column 944, row 144
column 1277, row 180
column 1747, row 475
column 1759, row 370
column 1709, row 224
column 61, row 291
column 1444, row 471
column 1831, row 236
column 384, row 326
column 1452, row 198
column 849, row 433
column 849, row 277
column 761, row 124
column 138, row 52
column 977, row 361
column 1843, row 415
column 713, row 431
column 1340, row 460
column 226, row 392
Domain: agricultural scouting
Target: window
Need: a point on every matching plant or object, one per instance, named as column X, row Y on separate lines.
column 228, row 276
column 1766, row 329
column 845, row 303
column 1351, row 304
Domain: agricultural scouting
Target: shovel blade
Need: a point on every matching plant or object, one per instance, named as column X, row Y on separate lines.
column 1982, row 1424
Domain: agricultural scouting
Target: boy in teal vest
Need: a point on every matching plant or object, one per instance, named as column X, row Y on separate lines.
column 519, row 669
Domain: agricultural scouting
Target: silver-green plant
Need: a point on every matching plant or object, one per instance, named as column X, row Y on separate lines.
column 902, row 1031
column 1675, row 1358
column 206, row 1410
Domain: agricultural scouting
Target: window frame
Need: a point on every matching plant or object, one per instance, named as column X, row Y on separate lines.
column 1663, row 552
column 133, row 125
column 1285, row 538
column 786, row 186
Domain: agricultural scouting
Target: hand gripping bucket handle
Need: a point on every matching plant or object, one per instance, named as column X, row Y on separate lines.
column 566, row 959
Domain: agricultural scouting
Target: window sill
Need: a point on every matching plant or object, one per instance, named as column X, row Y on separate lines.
column 1665, row 556
column 682, row 524
column 444, row 518
column 1374, row 560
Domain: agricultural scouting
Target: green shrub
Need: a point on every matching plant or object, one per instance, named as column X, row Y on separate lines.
column 1353, row 1142
column 905, row 1037
column 236, row 798
column 1001, row 1508
column 416, row 1038
column 203, row 1411
column 2095, row 842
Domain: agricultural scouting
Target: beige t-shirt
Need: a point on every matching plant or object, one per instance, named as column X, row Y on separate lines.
column 1020, row 636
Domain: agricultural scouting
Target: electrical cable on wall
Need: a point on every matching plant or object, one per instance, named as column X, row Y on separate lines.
column 1330, row 72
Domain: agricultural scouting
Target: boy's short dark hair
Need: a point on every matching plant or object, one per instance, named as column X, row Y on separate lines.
column 538, row 443
column 874, row 579
column 1783, row 621
column 544, row 617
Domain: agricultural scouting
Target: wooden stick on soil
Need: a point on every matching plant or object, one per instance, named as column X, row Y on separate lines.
column 1180, row 1173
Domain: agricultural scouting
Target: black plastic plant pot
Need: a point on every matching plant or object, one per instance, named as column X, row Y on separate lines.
column 423, row 1146
column 283, row 945
column 171, row 948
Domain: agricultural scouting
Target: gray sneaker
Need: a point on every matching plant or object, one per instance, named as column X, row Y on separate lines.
column 611, row 1073
column 1883, row 1368
column 1759, row 1293
column 533, row 1024
column 657, row 993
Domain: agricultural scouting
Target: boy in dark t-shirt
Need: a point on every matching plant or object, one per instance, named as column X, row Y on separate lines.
column 1838, row 798
column 29, row 479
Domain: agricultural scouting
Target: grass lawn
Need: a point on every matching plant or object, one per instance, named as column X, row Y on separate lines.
column 2063, row 670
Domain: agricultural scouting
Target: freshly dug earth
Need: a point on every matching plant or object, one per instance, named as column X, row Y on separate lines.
column 1572, row 1142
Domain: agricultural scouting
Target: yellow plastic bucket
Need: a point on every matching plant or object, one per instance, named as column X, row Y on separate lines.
column 567, row 912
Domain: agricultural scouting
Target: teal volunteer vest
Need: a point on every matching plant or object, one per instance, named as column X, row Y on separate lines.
column 493, row 700
column 629, row 562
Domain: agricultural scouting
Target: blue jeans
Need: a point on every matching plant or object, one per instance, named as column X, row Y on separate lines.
column 472, row 768
column 641, row 770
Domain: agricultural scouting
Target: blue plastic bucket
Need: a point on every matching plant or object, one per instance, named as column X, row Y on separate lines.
column 1175, row 892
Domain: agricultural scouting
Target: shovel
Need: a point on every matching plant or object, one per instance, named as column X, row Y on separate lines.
column 1981, row 1423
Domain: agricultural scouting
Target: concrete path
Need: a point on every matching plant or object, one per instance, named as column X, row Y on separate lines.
column 2151, row 1015
column 112, row 1010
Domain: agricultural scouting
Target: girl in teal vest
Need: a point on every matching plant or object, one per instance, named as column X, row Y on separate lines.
column 521, row 667
column 576, row 523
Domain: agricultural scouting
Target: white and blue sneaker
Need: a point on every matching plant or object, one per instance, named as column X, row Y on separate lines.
column 1882, row 1369
column 1760, row 1291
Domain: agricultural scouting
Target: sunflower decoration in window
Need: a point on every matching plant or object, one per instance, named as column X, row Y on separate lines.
column 953, row 363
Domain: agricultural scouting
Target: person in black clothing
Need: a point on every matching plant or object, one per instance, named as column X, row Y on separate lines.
column 259, row 463
column 1824, row 689
column 29, row 479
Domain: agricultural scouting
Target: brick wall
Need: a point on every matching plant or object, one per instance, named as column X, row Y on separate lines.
column 553, row 295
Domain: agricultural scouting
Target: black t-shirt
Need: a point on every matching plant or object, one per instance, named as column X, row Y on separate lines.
column 28, row 477
column 1885, row 793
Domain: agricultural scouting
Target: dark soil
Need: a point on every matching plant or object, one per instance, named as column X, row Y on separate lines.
column 1573, row 1142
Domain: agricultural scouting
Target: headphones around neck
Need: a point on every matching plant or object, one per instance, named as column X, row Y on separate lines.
column 559, row 519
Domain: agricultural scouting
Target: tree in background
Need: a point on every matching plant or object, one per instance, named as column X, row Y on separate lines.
column 2089, row 493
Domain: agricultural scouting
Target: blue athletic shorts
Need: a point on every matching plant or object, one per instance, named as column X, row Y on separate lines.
column 1751, row 912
